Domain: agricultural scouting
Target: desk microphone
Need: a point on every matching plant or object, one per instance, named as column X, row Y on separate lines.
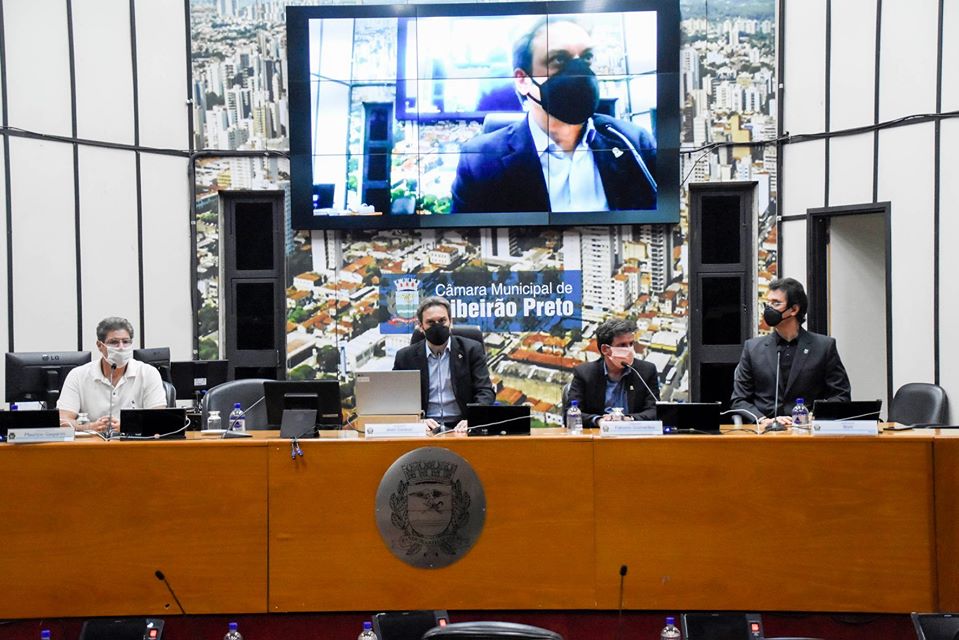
column 160, row 576
column 630, row 367
column 623, row 570
column 779, row 353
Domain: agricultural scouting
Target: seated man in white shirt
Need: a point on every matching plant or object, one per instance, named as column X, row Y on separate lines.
column 112, row 382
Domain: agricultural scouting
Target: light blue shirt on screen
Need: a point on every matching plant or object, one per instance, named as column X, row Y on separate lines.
column 572, row 179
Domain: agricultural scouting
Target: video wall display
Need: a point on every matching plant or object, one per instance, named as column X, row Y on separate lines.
column 504, row 114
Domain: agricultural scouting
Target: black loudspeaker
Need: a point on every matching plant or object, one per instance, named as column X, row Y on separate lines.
column 377, row 155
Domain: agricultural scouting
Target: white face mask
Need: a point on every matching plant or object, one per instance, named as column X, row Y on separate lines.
column 119, row 357
column 622, row 355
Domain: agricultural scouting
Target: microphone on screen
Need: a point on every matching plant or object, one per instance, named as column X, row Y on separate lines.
column 162, row 578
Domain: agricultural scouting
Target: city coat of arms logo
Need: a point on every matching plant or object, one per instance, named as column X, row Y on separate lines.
column 404, row 299
column 430, row 507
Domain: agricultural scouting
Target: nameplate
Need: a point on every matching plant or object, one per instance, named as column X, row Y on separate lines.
column 395, row 430
column 26, row 436
column 845, row 428
column 620, row 428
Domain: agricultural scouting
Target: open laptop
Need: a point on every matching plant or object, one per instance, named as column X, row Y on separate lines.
column 722, row 626
column 936, row 626
column 165, row 423
column 854, row 410
column 680, row 417
column 498, row 420
column 33, row 419
column 383, row 393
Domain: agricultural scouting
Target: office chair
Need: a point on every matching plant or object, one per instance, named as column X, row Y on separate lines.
column 470, row 331
column 248, row 392
column 490, row 631
column 919, row 403
column 170, row 391
column 494, row 120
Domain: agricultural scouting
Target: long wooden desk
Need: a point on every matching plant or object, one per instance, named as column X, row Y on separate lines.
column 732, row 522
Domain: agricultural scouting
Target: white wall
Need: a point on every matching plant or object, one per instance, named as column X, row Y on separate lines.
column 904, row 163
column 62, row 201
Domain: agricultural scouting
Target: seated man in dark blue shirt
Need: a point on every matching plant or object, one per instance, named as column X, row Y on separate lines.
column 616, row 380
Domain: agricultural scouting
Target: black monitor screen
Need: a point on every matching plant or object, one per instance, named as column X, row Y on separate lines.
column 484, row 114
column 322, row 395
column 158, row 357
column 716, row 626
column 195, row 376
column 38, row 376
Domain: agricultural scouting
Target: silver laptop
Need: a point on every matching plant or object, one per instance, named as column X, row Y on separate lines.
column 380, row 393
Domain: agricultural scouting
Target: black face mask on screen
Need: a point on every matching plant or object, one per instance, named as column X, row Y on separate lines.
column 572, row 95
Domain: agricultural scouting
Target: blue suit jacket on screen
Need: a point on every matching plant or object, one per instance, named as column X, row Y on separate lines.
column 500, row 171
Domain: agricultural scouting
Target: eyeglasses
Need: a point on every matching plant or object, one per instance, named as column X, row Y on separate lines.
column 119, row 342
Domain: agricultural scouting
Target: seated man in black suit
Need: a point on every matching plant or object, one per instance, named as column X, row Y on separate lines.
column 616, row 379
column 452, row 369
column 808, row 364
column 562, row 156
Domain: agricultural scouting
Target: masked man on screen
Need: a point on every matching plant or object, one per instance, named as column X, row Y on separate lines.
column 808, row 363
column 562, row 156
column 113, row 382
column 617, row 380
column 452, row 369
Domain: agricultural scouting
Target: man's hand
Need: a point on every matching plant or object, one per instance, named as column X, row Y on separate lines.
column 775, row 423
column 102, row 424
column 461, row 427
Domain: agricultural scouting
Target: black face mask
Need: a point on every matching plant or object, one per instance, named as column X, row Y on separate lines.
column 772, row 316
column 572, row 95
column 437, row 334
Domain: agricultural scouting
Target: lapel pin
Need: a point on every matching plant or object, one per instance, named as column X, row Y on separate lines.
column 805, row 351
column 459, row 355
column 617, row 152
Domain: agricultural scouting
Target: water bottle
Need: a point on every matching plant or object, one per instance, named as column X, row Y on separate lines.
column 45, row 634
column 616, row 413
column 367, row 632
column 670, row 631
column 237, row 418
column 83, row 422
column 800, row 414
column 574, row 417
column 214, row 421
column 232, row 634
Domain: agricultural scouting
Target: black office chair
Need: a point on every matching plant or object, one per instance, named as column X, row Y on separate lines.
column 170, row 391
column 469, row 331
column 919, row 403
column 490, row 631
column 249, row 393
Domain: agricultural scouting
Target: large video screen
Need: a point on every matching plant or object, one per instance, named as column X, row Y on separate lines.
column 499, row 114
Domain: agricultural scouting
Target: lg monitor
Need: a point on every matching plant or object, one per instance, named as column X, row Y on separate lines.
column 192, row 377
column 37, row 376
column 158, row 357
column 323, row 396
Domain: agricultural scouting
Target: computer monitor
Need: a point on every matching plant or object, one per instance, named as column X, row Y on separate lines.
column 322, row 395
column 37, row 376
column 193, row 377
column 122, row 629
column 158, row 357
column 407, row 625
column 722, row 626
column 936, row 626
column 852, row 410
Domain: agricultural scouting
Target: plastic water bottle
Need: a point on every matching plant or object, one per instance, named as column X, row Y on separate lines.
column 367, row 632
column 83, row 422
column 670, row 631
column 616, row 414
column 45, row 634
column 214, row 421
column 574, row 418
column 232, row 634
column 237, row 418
column 800, row 414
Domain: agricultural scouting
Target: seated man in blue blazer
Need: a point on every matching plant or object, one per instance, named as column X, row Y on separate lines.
column 808, row 363
column 562, row 156
column 453, row 370
column 616, row 379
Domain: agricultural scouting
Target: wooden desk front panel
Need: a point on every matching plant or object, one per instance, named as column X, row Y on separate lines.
column 947, row 520
column 770, row 524
column 85, row 525
column 536, row 550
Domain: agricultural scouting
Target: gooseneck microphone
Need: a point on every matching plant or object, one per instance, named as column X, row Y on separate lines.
column 630, row 367
column 609, row 129
column 623, row 570
column 779, row 354
column 113, row 368
column 161, row 577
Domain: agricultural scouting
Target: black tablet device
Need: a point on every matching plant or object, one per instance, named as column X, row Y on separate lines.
column 498, row 420
column 164, row 423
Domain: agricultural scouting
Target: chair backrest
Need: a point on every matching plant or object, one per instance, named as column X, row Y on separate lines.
column 919, row 403
column 490, row 631
column 170, row 391
column 249, row 393
column 498, row 119
column 470, row 331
